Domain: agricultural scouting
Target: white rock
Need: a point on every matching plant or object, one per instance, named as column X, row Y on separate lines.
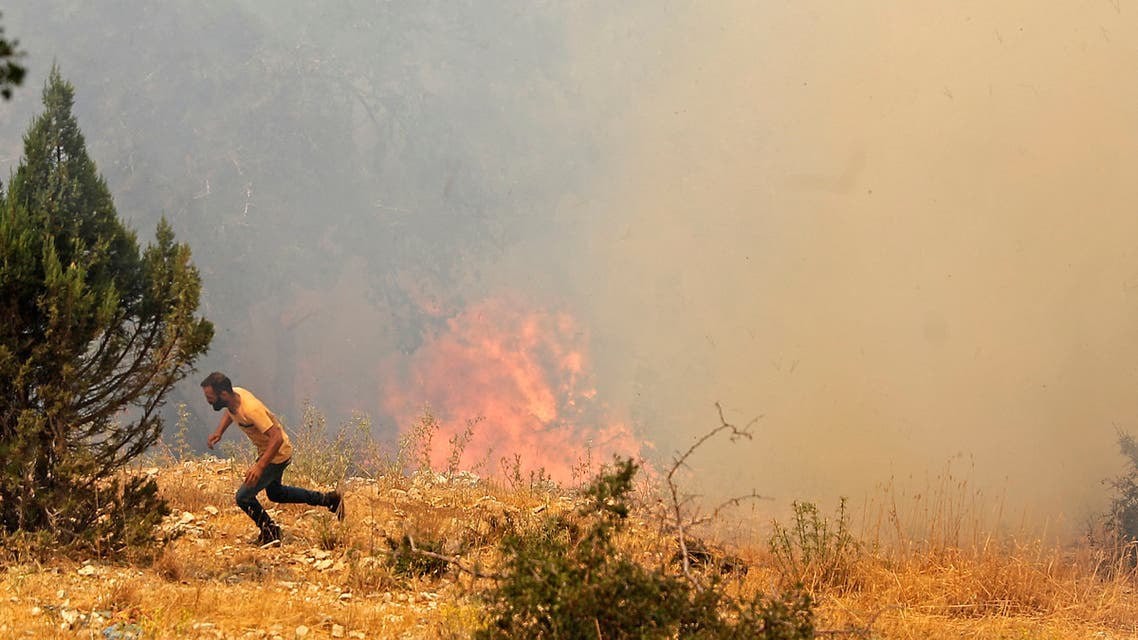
column 186, row 518
column 301, row 631
column 211, row 510
column 87, row 570
column 337, row 631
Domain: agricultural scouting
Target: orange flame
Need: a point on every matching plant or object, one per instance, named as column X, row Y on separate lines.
column 524, row 373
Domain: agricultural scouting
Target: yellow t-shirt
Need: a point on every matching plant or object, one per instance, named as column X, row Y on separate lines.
column 255, row 420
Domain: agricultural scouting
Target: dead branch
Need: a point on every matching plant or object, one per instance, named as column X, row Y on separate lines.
column 730, row 502
column 451, row 560
column 677, row 503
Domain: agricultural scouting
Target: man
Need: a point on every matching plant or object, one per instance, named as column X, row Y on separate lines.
column 274, row 454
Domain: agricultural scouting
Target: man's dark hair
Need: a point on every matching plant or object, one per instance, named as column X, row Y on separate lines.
column 218, row 381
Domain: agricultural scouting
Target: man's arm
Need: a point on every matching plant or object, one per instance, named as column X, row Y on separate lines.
column 276, row 439
column 214, row 437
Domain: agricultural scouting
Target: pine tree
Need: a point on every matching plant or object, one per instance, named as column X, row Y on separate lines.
column 93, row 335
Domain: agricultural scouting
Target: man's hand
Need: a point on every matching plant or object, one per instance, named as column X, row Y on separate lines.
column 253, row 475
column 212, row 439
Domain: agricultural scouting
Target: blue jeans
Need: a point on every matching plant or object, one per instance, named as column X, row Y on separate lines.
column 270, row 483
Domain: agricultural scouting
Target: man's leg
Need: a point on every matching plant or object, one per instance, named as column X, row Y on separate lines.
column 285, row 494
column 246, row 499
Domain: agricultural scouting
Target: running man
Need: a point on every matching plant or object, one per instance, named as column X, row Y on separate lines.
column 275, row 453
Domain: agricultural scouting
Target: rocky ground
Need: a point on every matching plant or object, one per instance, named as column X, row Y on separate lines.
column 327, row 580
column 332, row 579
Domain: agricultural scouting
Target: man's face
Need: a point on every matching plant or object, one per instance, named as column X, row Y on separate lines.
column 216, row 400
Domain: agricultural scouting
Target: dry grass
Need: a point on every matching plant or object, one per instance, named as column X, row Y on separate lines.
column 938, row 579
column 932, row 565
column 1015, row 587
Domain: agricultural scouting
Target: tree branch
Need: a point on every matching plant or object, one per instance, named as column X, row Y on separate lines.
column 452, row 561
column 683, row 524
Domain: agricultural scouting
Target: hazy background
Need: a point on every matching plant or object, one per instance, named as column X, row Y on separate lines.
column 901, row 234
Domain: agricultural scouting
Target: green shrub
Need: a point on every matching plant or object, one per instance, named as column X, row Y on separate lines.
column 107, row 518
column 813, row 550
column 1122, row 517
column 405, row 559
column 127, row 512
column 569, row 579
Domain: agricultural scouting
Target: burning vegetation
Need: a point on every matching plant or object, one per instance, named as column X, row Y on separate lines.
column 508, row 383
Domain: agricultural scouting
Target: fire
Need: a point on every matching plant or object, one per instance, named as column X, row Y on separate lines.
column 522, row 376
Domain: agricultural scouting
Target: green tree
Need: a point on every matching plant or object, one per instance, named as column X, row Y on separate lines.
column 93, row 335
column 11, row 71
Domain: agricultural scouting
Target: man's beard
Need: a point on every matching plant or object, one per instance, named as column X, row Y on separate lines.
column 219, row 405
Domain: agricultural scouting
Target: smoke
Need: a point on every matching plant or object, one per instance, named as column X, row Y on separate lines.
column 903, row 236
column 899, row 238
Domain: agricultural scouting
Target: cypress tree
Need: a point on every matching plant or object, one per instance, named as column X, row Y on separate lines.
column 94, row 332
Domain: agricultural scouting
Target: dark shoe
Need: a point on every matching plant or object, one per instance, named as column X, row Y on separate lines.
column 270, row 536
column 336, row 504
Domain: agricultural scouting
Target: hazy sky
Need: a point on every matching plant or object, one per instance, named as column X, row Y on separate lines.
column 901, row 233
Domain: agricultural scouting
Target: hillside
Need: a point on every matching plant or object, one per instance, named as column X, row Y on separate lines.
column 333, row 580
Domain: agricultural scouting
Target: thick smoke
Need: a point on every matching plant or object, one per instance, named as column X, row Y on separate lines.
column 902, row 235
